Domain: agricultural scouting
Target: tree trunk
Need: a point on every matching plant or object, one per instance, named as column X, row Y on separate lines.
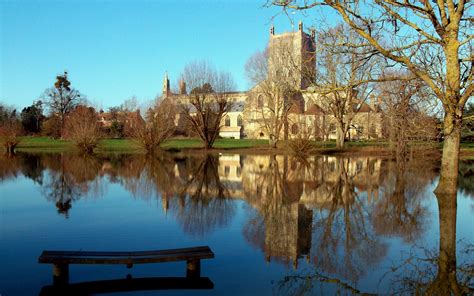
column 10, row 148
column 207, row 145
column 448, row 180
column 340, row 137
column 272, row 141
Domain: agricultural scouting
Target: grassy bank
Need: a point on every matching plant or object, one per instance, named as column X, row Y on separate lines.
column 40, row 144
column 127, row 145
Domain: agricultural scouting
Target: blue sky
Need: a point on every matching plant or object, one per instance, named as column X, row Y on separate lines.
column 114, row 50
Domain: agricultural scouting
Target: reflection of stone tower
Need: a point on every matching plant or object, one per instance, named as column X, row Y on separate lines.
column 166, row 86
column 293, row 55
column 165, row 202
column 288, row 233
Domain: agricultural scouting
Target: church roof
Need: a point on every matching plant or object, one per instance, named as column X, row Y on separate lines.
column 314, row 110
column 237, row 107
column 234, row 107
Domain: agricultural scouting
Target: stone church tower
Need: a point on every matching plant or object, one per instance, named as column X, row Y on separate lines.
column 293, row 55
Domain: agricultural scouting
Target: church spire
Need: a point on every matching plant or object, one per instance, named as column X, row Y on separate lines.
column 166, row 85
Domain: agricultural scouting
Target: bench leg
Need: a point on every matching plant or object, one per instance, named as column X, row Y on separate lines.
column 193, row 268
column 60, row 274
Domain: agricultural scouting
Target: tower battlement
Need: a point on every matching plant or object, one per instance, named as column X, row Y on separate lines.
column 293, row 54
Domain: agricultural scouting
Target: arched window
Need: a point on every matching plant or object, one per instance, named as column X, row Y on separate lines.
column 226, row 170
column 294, row 129
column 239, row 120
column 227, row 120
column 260, row 101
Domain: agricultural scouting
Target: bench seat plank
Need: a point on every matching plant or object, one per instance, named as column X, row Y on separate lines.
column 126, row 254
column 85, row 257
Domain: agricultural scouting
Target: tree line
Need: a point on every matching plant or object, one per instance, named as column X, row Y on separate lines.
column 353, row 66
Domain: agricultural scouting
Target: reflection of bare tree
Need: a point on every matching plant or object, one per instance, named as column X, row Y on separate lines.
column 9, row 166
column 315, row 284
column 439, row 274
column 282, row 227
column 400, row 212
column 146, row 176
column 32, row 167
column 204, row 182
column 70, row 177
column 466, row 176
column 203, row 201
column 344, row 244
column 254, row 229
column 344, row 241
column 134, row 177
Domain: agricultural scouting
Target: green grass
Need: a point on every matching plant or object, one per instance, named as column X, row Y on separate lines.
column 467, row 147
column 182, row 144
column 242, row 143
column 118, row 145
column 218, row 144
column 126, row 145
column 44, row 143
column 331, row 144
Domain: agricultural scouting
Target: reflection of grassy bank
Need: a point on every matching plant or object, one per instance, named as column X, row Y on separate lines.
column 42, row 144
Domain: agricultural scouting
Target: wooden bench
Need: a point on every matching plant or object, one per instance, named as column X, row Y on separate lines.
column 62, row 259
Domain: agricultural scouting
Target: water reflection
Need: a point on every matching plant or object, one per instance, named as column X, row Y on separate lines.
column 282, row 229
column 400, row 212
column 203, row 201
column 330, row 218
column 438, row 272
column 150, row 284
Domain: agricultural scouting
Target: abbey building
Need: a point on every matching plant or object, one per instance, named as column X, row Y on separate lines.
column 286, row 102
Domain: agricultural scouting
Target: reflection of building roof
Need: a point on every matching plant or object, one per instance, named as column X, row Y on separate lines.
column 232, row 185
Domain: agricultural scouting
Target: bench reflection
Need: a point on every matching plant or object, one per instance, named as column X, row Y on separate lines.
column 129, row 285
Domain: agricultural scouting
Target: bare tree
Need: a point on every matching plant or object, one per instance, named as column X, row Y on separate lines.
column 208, row 101
column 61, row 98
column 275, row 91
column 301, row 145
column 408, row 111
column 432, row 39
column 130, row 105
column 345, row 77
column 10, row 128
column 158, row 126
column 82, row 127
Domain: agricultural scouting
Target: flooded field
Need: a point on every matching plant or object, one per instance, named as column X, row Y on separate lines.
column 277, row 225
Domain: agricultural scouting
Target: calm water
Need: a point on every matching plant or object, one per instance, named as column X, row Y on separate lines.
column 277, row 225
